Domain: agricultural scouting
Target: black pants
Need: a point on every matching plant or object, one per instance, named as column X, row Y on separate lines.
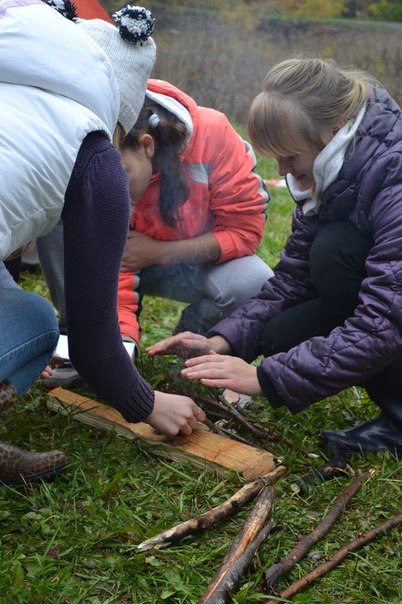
column 14, row 267
column 337, row 265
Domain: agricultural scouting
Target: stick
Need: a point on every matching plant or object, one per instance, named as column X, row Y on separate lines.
column 340, row 555
column 253, row 428
column 223, row 432
column 228, row 410
column 229, row 508
column 274, row 572
column 251, row 528
column 229, row 584
column 328, row 471
column 213, row 427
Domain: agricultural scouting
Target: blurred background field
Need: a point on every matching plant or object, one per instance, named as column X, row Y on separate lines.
column 220, row 52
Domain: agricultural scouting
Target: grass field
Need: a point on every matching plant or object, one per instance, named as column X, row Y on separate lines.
column 74, row 541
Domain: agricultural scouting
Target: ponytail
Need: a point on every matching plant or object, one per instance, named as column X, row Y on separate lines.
column 170, row 142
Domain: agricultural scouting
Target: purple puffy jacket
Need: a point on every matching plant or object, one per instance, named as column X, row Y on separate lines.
column 368, row 193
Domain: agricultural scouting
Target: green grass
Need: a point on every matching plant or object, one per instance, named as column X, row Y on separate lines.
column 74, row 541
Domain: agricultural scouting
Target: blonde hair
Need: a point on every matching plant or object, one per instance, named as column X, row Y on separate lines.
column 300, row 98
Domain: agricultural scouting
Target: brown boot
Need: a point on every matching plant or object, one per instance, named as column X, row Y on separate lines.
column 8, row 395
column 18, row 466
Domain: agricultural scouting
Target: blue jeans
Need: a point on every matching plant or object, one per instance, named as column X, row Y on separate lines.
column 28, row 336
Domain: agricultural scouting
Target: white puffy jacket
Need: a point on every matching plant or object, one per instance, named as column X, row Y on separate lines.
column 56, row 86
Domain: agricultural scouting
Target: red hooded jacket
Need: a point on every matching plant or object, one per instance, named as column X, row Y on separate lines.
column 227, row 198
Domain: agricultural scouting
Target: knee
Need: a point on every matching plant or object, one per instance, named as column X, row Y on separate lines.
column 43, row 316
column 326, row 246
column 337, row 257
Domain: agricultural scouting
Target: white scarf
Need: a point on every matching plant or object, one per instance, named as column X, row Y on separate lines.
column 326, row 166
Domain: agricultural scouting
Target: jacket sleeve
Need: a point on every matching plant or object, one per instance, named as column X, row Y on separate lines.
column 238, row 196
column 370, row 339
column 95, row 219
column 290, row 285
column 128, row 305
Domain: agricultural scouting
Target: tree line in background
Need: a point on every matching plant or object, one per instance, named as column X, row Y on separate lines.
column 385, row 10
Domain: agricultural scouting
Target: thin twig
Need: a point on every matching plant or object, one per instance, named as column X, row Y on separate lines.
column 237, row 437
column 226, row 409
column 213, row 427
column 226, row 433
column 339, row 556
column 274, row 572
column 255, row 429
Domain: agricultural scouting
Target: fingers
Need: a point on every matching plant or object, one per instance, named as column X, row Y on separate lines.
column 190, row 425
column 185, row 430
column 199, row 414
column 206, row 359
column 174, row 344
column 46, row 373
column 174, row 415
column 209, row 366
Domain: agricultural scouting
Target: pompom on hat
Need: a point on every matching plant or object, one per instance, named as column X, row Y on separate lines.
column 129, row 47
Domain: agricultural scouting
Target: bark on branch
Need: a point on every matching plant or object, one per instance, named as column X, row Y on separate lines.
column 251, row 528
column 229, row 584
column 339, row 556
column 213, row 516
column 274, row 572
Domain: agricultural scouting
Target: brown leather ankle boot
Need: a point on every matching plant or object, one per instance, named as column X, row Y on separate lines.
column 8, row 395
column 18, row 466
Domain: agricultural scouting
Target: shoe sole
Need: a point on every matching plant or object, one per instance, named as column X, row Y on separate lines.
column 46, row 476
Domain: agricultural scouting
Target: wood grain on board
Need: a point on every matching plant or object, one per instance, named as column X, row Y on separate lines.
column 203, row 449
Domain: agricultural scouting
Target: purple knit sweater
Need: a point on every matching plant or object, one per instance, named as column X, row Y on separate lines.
column 95, row 220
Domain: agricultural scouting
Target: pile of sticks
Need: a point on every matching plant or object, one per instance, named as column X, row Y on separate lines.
column 255, row 531
column 218, row 411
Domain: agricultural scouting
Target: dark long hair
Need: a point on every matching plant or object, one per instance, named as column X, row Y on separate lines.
column 170, row 142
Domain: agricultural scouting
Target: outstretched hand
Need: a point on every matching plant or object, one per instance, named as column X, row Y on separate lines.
column 185, row 345
column 174, row 414
column 223, row 371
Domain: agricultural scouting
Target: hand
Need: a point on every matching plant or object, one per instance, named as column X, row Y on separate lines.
column 222, row 371
column 140, row 252
column 185, row 345
column 46, row 373
column 174, row 414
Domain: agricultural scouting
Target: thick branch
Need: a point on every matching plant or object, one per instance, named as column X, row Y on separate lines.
column 251, row 528
column 217, row 514
column 340, row 555
column 274, row 572
column 228, row 586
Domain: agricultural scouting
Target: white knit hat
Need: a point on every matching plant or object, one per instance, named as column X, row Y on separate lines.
column 129, row 48
column 131, row 52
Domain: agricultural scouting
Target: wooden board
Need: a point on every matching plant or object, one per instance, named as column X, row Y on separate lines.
column 203, row 448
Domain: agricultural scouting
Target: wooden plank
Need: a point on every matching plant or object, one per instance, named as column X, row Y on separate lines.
column 203, row 448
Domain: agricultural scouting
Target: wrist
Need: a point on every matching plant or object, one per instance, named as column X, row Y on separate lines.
column 219, row 344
